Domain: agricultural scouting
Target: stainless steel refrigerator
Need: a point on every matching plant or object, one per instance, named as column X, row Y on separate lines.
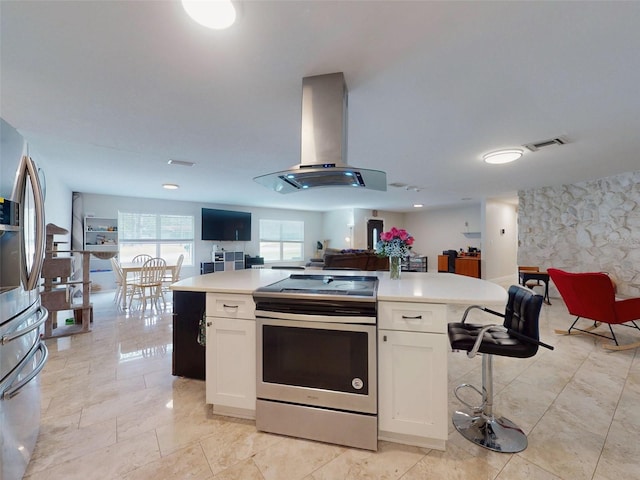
column 22, row 352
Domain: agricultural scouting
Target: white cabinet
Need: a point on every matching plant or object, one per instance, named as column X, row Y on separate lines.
column 101, row 239
column 412, row 374
column 223, row 261
column 101, row 234
column 231, row 355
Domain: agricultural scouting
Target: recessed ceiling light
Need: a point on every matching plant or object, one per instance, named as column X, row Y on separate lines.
column 170, row 186
column 503, row 156
column 418, row 205
column 216, row 14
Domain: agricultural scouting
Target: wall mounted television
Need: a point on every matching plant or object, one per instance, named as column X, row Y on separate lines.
column 226, row 225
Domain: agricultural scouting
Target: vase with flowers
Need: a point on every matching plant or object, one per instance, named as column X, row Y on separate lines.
column 395, row 244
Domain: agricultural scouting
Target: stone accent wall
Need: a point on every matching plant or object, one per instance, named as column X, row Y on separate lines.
column 587, row 226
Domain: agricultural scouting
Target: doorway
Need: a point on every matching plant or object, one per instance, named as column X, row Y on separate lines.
column 374, row 229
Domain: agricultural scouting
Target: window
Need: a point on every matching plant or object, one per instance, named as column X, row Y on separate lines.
column 281, row 240
column 166, row 236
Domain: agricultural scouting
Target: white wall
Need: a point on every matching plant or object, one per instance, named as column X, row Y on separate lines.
column 335, row 228
column 57, row 202
column 11, row 150
column 444, row 229
column 109, row 206
column 389, row 220
column 57, row 194
column 499, row 254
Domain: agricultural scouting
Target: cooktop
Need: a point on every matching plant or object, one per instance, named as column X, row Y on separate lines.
column 361, row 286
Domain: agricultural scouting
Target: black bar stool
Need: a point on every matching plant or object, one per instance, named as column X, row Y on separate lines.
column 518, row 336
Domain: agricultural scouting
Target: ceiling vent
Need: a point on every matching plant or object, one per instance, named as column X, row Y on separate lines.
column 182, row 163
column 534, row 147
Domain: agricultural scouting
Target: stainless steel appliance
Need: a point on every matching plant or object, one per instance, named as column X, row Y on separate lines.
column 324, row 143
column 317, row 359
column 22, row 353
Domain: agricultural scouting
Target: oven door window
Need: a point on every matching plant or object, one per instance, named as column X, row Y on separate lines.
column 316, row 358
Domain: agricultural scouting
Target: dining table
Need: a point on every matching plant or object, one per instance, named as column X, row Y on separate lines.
column 131, row 268
column 540, row 276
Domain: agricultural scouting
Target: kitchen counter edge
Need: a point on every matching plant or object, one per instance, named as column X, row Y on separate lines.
column 417, row 287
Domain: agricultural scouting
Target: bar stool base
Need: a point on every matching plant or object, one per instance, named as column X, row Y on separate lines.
column 497, row 434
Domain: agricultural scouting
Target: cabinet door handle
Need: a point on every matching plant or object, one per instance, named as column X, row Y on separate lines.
column 224, row 305
column 384, row 338
column 209, row 324
column 417, row 317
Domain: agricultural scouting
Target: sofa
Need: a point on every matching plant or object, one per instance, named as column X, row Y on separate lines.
column 354, row 259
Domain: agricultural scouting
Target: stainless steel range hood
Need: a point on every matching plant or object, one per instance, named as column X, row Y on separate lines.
column 324, row 143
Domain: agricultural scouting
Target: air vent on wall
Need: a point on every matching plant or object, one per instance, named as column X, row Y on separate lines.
column 534, row 147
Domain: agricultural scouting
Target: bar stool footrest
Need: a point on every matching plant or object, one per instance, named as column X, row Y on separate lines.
column 475, row 409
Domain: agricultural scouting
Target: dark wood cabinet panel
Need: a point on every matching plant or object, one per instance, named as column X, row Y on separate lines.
column 468, row 266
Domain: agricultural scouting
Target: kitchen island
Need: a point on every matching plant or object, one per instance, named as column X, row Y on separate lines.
column 413, row 313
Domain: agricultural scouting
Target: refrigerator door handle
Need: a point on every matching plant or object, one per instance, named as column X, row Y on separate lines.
column 13, row 390
column 34, row 274
column 44, row 314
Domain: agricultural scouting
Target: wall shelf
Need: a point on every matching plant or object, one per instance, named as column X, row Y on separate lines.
column 101, row 234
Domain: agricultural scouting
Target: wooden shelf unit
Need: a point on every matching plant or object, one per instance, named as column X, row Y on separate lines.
column 58, row 286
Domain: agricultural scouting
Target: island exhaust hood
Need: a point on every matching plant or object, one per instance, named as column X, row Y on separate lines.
column 324, row 143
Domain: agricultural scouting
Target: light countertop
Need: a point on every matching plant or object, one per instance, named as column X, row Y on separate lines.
column 416, row 287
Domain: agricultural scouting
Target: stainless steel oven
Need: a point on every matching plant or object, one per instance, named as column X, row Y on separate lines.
column 317, row 359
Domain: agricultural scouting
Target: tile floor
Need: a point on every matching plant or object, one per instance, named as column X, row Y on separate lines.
column 112, row 410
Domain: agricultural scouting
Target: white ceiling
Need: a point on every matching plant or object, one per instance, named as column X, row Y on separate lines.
column 108, row 91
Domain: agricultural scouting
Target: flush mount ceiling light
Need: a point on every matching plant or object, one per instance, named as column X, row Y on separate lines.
column 216, row 14
column 170, row 186
column 503, row 156
column 418, row 205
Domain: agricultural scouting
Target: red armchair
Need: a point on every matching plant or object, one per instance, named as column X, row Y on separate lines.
column 592, row 296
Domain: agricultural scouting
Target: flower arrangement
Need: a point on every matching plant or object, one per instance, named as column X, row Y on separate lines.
column 394, row 243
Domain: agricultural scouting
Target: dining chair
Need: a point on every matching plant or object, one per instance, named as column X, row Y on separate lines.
column 148, row 286
column 119, row 276
column 141, row 258
column 173, row 276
